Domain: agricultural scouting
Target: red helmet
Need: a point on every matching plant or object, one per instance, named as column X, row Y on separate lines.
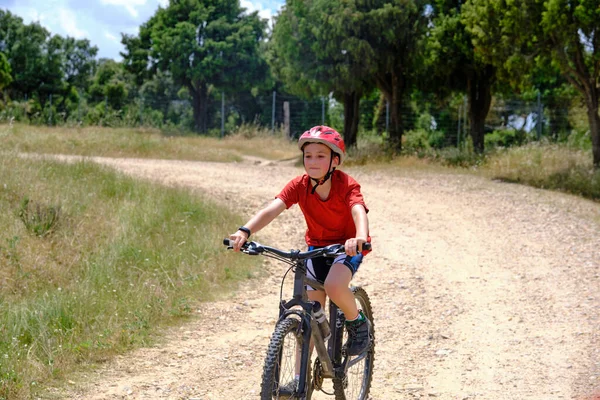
column 327, row 136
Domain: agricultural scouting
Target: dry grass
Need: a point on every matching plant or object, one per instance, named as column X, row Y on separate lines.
column 142, row 143
column 547, row 166
column 123, row 258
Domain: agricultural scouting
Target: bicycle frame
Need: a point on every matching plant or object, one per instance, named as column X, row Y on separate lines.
column 309, row 324
column 332, row 363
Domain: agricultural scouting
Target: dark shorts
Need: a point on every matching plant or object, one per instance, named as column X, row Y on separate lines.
column 318, row 268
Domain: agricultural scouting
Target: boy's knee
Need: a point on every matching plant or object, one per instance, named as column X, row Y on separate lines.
column 333, row 288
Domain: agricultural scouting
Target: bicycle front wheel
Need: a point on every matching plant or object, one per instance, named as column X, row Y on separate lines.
column 357, row 382
column 280, row 363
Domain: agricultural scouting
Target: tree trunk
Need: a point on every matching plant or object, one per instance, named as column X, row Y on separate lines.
column 479, row 92
column 200, row 106
column 594, row 120
column 392, row 86
column 351, row 117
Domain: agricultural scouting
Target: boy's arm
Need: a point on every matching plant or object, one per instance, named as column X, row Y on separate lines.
column 257, row 222
column 361, row 221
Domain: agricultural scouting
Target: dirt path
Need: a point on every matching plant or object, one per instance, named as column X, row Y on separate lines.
column 481, row 290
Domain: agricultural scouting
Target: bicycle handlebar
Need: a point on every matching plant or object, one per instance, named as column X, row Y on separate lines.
column 255, row 248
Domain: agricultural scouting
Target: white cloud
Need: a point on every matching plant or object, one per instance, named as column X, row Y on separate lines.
column 130, row 5
column 68, row 23
column 34, row 15
column 164, row 3
column 111, row 37
column 252, row 6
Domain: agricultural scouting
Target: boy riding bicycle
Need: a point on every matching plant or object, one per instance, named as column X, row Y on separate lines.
column 335, row 212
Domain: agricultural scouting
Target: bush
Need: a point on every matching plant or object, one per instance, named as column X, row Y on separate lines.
column 580, row 139
column 505, row 138
column 454, row 157
column 19, row 111
column 416, row 141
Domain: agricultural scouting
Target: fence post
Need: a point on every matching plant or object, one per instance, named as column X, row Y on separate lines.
column 323, row 110
column 141, row 111
column 387, row 116
column 286, row 119
column 458, row 129
column 79, row 106
column 465, row 132
column 540, row 118
column 273, row 113
column 50, row 116
column 222, row 114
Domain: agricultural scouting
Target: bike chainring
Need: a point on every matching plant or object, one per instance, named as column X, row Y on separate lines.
column 317, row 375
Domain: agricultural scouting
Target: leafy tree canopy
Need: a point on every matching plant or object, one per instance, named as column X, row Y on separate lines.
column 516, row 35
column 204, row 45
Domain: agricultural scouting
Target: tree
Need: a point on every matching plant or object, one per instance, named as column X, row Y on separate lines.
column 205, row 45
column 315, row 50
column 79, row 62
column 111, row 83
column 455, row 66
column 5, row 72
column 514, row 34
column 395, row 31
column 24, row 49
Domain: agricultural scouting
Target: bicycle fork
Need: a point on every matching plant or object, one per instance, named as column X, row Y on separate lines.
column 307, row 326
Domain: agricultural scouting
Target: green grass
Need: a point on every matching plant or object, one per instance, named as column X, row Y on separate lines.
column 144, row 143
column 122, row 259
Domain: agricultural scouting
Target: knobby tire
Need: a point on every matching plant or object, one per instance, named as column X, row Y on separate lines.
column 285, row 330
column 340, row 386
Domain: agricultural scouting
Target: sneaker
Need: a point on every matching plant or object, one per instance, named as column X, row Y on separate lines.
column 359, row 335
column 289, row 389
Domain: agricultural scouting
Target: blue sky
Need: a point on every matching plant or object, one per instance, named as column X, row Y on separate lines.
column 103, row 21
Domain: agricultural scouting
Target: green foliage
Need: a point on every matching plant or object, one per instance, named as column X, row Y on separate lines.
column 516, row 35
column 416, row 141
column 505, row 138
column 5, row 71
column 203, row 47
column 579, row 139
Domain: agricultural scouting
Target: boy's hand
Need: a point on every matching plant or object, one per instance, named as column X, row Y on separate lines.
column 351, row 246
column 237, row 240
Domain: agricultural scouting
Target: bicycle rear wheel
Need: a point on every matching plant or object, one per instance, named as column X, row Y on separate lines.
column 357, row 382
column 280, row 362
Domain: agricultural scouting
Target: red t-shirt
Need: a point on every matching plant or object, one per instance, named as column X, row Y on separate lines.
column 329, row 221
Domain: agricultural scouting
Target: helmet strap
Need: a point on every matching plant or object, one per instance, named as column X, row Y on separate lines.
column 327, row 176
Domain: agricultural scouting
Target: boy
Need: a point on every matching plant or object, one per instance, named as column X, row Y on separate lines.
column 335, row 212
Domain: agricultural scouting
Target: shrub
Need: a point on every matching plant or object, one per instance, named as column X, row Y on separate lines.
column 505, row 138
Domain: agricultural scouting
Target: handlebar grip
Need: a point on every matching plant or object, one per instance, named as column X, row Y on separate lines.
column 366, row 246
column 226, row 242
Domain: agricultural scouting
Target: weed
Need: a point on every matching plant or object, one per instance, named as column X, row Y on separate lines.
column 39, row 219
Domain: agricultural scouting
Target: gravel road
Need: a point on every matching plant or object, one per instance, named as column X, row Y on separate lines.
column 481, row 290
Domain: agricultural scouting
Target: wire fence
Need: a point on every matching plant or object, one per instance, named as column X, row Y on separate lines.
column 446, row 126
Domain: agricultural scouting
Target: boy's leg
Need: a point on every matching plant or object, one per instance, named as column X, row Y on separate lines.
column 358, row 326
column 336, row 286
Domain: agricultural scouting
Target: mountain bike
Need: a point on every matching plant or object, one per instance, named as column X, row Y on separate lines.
column 297, row 324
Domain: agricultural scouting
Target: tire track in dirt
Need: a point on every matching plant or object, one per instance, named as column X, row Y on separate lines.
column 481, row 290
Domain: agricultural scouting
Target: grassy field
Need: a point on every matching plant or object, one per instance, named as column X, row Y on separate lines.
column 140, row 143
column 93, row 262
